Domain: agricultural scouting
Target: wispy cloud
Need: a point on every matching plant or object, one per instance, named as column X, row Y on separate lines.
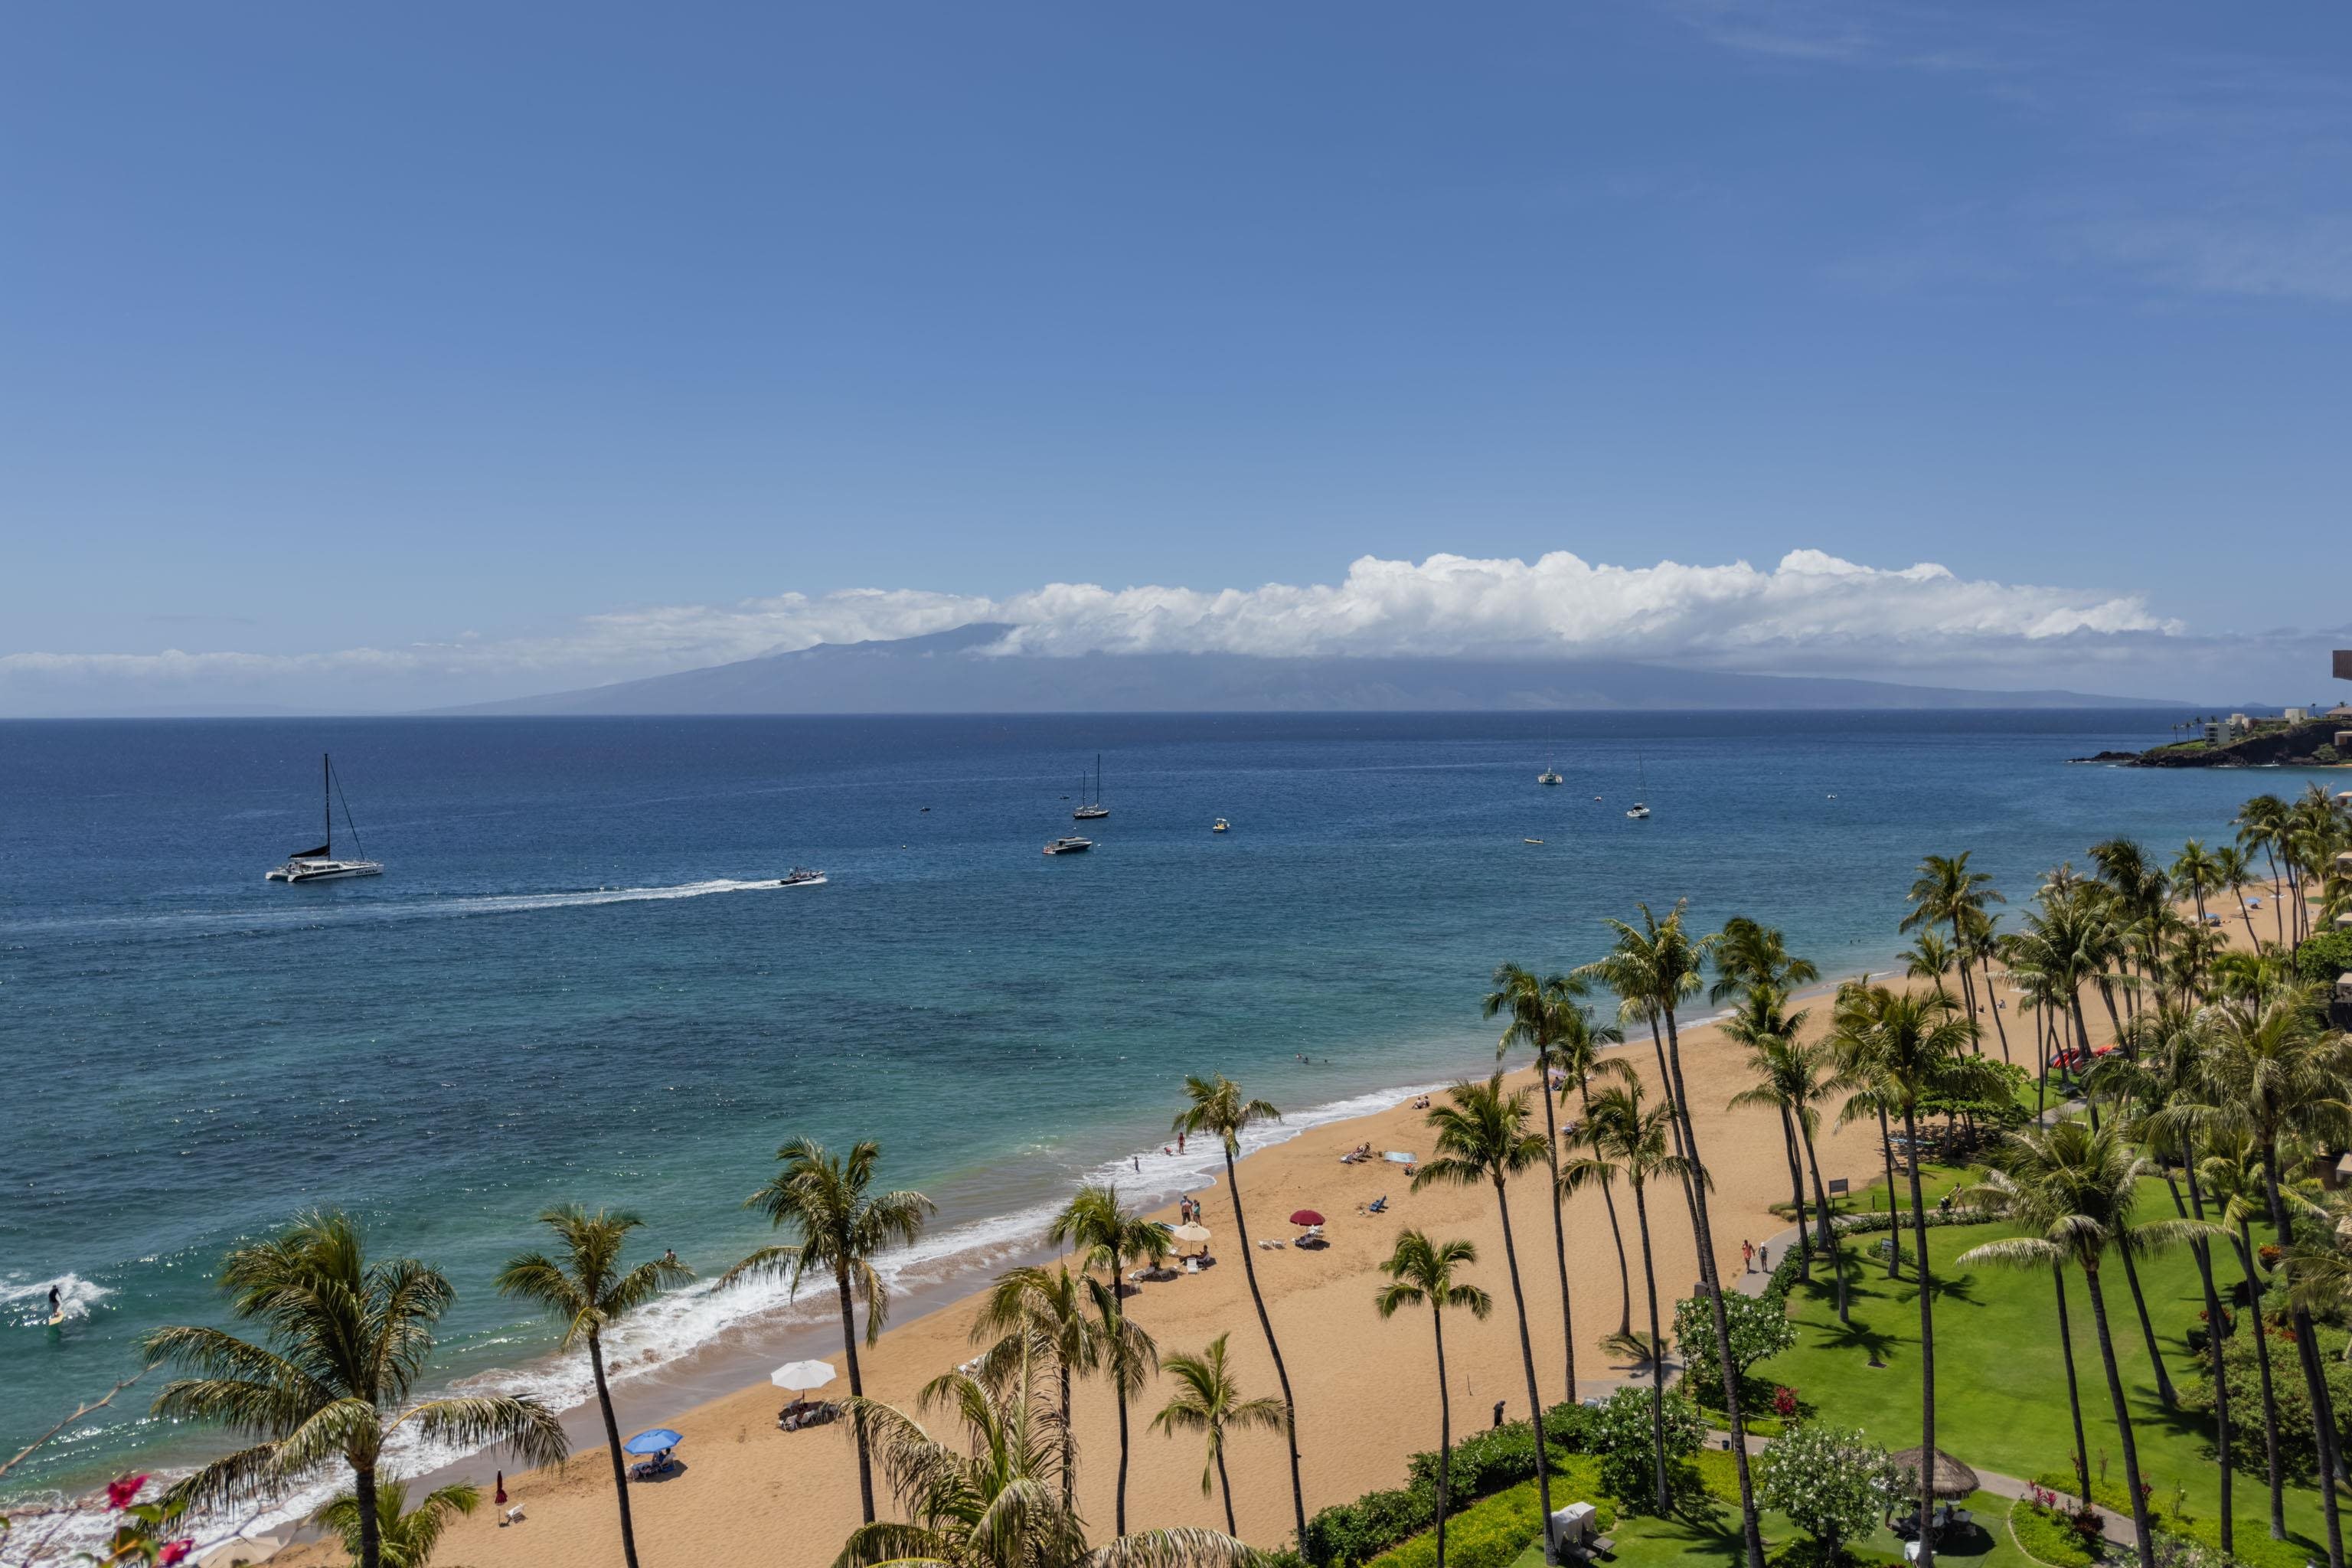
column 1809, row 611
column 2179, row 169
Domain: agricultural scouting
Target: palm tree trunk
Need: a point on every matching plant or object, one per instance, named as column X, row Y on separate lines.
column 1281, row 1373
column 2277, row 914
column 1528, row 1359
column 1069, row 1441
column 1926, row 1350
column 1828, row 1226
column 2204, row 1253
column 1657, row 1355
column 1674, row 1123
column 1225, row 1484
column 371, row 1527
column 2074, row 1393
column 612, row 1437
column 2141, row 1540
column 2322, row 1422
column 2146, row 1332
column 1894, row 1213
column 2246, row 1244
column 1616, row 1237
column 1750, row 1528
column 1967, row 986
column 1559, row 1227
column 1797, row 1197
column 1119, row 1511
column 1994, row 1002
column 1444, row 1434
column 857, row 1390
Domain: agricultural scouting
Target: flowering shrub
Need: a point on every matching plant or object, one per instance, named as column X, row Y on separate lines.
column 1831, row 1481
column 1784, row 1401
column 1623, row 1441
column 144, row 1535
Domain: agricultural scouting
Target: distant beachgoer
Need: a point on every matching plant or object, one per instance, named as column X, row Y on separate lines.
column 670, row 1255
column 1180, row 1142
column 1764, row 1258
column 56, row 1304
column 1748, row 1251
column 499, row 1491
column 1498, row 1412
column 1137, row 1160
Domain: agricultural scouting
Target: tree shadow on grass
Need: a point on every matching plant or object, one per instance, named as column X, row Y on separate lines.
column 1858, row 1336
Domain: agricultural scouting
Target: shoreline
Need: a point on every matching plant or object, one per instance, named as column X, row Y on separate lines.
column 949, row 1271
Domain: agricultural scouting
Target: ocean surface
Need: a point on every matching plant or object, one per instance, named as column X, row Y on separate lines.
column 570, row 986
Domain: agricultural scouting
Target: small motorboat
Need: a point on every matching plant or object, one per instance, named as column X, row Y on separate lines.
column 1638, row 812
column 801, row 877
column 1530, row 840
column 1069, row 844
column 1221, row 825
column 1550, row 775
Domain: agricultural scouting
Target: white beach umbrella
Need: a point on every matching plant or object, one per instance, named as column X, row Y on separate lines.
column 1191, row 1232
column 801, row 1376
column 257, row 1549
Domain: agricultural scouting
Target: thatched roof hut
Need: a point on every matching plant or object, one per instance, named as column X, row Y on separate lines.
column 1951, row 1479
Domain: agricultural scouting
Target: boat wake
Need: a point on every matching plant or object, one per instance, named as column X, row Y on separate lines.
column 305, row 911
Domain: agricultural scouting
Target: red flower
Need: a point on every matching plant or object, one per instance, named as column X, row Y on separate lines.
column 174, row 1550
column 118, row 1493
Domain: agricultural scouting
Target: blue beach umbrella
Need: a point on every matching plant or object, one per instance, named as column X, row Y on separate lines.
column 653, row 1442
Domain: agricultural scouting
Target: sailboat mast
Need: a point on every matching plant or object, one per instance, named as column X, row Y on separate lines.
column 327, row 798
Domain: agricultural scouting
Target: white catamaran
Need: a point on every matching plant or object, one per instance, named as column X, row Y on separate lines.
column 320, row 865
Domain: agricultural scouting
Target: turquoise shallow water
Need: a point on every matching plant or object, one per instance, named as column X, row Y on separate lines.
column 561, row 989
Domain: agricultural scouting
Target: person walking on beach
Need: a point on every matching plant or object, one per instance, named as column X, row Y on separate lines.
column 1498, row 1412
column 1748, row 1251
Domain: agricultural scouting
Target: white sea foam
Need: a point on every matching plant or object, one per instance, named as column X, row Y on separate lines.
column 315, row 907
column 26, row 1306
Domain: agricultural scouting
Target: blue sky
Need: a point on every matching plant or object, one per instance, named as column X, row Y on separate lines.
column 516, row 331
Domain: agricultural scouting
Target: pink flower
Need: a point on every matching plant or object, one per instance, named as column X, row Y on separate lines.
column 118, row 1493
column 174, row 1550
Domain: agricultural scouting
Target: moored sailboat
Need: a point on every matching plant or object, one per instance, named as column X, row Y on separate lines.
column 320, row 864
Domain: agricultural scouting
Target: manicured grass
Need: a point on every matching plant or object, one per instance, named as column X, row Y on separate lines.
column 2001, row 1385
column 1707, row 1531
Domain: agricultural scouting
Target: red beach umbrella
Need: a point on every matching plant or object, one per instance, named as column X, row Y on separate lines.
column 1306, row 1216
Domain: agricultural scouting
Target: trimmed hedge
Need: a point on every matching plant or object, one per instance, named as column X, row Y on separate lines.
column 1490, row 1533
column 2255, row 1546
column 1483, row 1463
column 2047, row 1540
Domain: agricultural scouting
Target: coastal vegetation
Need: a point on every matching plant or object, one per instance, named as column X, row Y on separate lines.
column 2154, row 1145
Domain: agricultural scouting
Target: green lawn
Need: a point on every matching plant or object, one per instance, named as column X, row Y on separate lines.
column 2000, row 1386
column 1707, row 1530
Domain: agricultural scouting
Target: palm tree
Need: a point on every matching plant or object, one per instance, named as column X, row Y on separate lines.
column 1207, row 1401
column 1038, row 1312
column 1548, row 1017
column 1657, row 967
column 1915, row 1050
column 586, row 1289
column 344, row 1342
column 2234, row 872
column 2233, row 1172
column 1483, row 1137
column 991, row 1497
column 843, row 1225
column 2262, row 824
column 406, row 1537
column 1747, row 954
column 1105, row 1233
column 1929, row 958
column 2270, row 1063
column 2076, row 1187
column 1130, row 1356
column 1421, row 1272
column 1852, row 1044
column 1792, row 1081
column 1579, row 1057
column 1946, row 892
column 1996, row 1193
column 1218, row 1107
column 1983, row 941
column 1626, row 1139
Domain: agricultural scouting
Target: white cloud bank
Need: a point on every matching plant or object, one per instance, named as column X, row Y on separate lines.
column 1810, row 612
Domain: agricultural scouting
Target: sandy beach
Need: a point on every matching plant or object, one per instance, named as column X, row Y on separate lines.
column 1364, row 1386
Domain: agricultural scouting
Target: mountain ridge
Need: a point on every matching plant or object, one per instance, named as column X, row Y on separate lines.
column 953, row 672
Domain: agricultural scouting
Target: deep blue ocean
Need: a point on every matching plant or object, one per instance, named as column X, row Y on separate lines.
column 565, row 988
